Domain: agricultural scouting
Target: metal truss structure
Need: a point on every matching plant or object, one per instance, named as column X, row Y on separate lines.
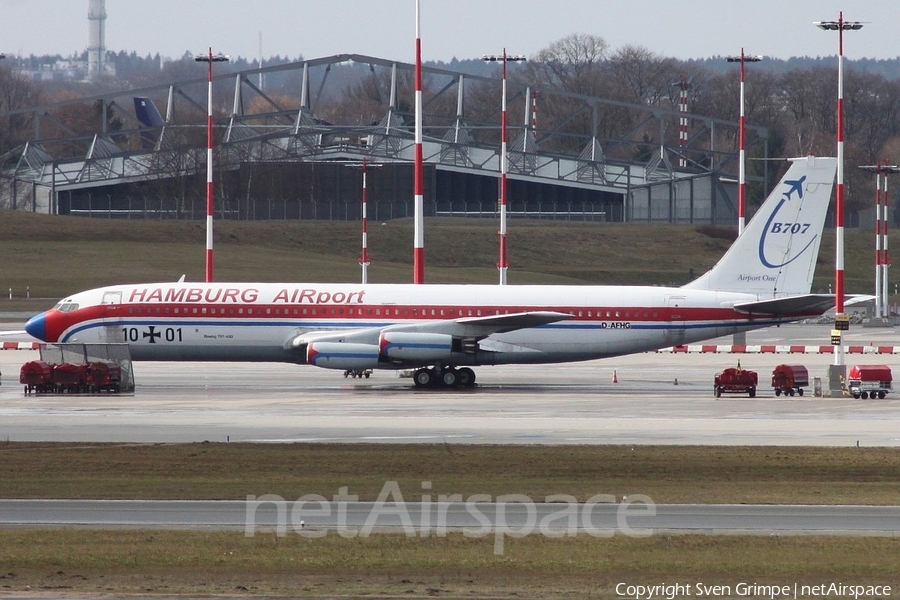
column 638, row 170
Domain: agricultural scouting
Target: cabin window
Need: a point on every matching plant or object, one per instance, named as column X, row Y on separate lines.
column 203, row 310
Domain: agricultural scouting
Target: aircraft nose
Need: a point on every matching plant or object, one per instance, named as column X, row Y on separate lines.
column 37, row 327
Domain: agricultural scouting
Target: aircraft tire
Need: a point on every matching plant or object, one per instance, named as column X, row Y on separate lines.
column 449, row 377
column 799, row 391
column 465, row 377
column 864, row 395
column 752, row 392
column 882, row 395
column 777, row 391
column 424, row 378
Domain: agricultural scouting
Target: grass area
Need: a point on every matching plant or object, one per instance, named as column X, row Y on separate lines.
column 790, row 475
column 55, row 256
column 394, row 566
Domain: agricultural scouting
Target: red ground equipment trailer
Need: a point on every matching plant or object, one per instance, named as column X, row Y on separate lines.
column 103, row 376
column 36, row 376
column 869, row 381
column 789, row 379
column 70, row 377
column 735, row 381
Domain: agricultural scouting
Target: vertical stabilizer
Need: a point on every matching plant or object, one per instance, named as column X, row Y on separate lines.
column 149, row 117
column 776, row 255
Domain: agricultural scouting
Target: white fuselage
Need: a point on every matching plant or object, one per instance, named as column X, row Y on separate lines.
column 257, row 322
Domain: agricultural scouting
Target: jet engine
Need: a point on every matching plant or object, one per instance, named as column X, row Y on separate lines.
column 419, row 347
column 338, row 355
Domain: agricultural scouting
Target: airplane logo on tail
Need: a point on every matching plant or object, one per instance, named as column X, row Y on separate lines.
column 790, row 228
column 796, row 186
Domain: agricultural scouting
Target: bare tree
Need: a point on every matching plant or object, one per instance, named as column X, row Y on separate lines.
column 17, row 93
column 642, row 76
column 573, row 64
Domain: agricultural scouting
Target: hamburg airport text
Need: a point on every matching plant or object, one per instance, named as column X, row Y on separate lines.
column 243, row 296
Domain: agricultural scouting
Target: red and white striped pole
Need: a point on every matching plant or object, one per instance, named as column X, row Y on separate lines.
column 878, row 240
column 840, row 25
column 742, row 164
column 418, row 176
column 882, row 258
column 683, row 121
column 364, row 256
column 885, row 257
column 503, row 264
column 209, row 59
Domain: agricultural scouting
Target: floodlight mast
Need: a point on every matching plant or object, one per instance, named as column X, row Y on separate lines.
column 418, row 176
column 742, row 166
column 210, row 59
column 840, row 26
column 503, row 263
column 882, row 258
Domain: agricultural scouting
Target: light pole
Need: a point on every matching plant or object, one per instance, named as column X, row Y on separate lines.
column 210, row 59
column 503, row 264
column 418, row 176
column 841, row 322
column 882, row 259
column 742, row 168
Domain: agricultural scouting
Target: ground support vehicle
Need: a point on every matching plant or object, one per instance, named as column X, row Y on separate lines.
column 735, row 381
column 103, row 376
column 869, row 381
column 36, row 376
column 70, row 377
column 789, row 379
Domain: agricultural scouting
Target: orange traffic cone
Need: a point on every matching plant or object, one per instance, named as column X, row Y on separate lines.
column 615, row 377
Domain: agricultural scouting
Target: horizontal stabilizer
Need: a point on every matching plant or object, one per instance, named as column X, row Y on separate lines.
column 808, row 304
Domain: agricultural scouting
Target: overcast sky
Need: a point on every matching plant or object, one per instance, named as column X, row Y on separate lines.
column 450, row 28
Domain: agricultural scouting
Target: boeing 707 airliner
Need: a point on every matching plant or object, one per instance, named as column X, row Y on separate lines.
column 442, row 331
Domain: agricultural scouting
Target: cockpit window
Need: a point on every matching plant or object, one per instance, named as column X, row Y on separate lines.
column 65, row 306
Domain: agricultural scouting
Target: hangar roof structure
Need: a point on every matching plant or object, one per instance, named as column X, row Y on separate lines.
column 557, row 138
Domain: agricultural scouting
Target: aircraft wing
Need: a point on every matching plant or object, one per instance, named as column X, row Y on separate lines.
column 469, row 327
column 504, row 323
column 806, row 304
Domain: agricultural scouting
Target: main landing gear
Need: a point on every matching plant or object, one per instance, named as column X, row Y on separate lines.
column 446, row 377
